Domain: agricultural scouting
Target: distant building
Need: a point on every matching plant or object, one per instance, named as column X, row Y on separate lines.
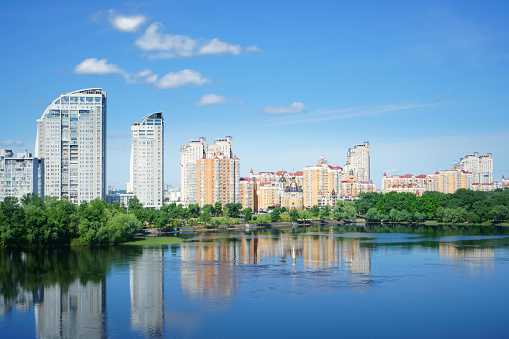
column 358, row 161
column 147, row 160
column 122, row 198
column 248, row 193
column 481, row 167
column 189, row 154
column 20, row 175
column 218, row 180
column 71, row 138
column 322, row 184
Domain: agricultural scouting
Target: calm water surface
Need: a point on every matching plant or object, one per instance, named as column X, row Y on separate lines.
column 348, row 281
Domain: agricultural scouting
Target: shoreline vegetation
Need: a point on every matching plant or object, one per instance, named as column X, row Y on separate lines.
column 34, row 222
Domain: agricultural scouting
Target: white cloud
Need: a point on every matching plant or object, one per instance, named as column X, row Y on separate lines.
column 95, row 66
column 296, row 107
column 213, row 99
column 215, row 46
column 171, row 46
column 126, row 23
column 182, row 78
column 12, row 143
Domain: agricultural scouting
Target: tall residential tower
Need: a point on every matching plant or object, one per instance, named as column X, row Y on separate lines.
column 357, row 161
column 189, row 154
column 71, row 138
column 147, row 160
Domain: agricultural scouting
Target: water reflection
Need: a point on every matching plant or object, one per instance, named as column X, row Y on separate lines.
column 208, row 269
column 66, row 289
column 73, row 311
column 147, row 292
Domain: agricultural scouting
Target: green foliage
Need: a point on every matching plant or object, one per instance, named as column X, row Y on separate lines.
column 264, row 219
column 294, row 214
column 315, row 211
column 275, row 215
column 248, row 213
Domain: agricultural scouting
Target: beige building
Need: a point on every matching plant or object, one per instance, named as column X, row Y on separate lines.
column 248, row 196
column 319, row 181
column 217, row 180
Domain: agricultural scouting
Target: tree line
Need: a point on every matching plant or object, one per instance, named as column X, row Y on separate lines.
column 461, row 206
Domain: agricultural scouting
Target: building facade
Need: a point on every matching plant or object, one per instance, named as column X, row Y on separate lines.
column 20, row 175
column 71, row 138
column 358, row 161
column 218, row 180
column 147, row 160
column 189, row 154
column 319, row 181
column 481, row 166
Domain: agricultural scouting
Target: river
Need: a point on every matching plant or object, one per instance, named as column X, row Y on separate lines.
column 343, row 281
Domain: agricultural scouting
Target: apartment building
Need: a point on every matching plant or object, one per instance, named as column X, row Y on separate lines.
column 147, row 160
column 71, row 138
column 20, row 175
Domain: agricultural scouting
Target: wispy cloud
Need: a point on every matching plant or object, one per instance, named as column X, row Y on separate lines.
column 126, row 23
column 213, row 99
column 12, row 143
column 96, row 66
column 186, row 77
column 354, row 113
column 163, row 45
column 296, row 107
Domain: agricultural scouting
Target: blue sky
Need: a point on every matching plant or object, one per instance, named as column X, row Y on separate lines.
column 424, row 82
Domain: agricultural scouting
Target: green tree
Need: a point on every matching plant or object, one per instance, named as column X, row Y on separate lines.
column 205, row 217
column 275, row 215
column 372, row 215
column 194, row 210
column 499, row 213
column 134, row 204
column 12, row 222
column 218, row 209
column 293, row 214
column 248, row 213
column 324, row 212
column 315, row 211
column 264, row 219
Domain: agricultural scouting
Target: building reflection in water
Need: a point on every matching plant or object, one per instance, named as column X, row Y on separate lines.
column 76, row 311
column 478, row 259
column 147, row 293
column 206, row 270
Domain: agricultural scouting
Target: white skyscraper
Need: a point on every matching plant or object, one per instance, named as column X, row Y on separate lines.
column 189, row 154
column 147, row 160
column 358, row 161
column 71, row 138
column 481, row 166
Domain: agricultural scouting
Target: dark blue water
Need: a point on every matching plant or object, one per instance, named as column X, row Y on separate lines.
column 379, row 281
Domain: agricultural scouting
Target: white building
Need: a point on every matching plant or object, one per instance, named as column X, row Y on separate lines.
column 357, row 161
column 221, row 145
column 481, row 166
column 71, row 138
column 189, row 154
column 147, row 160
column 20, row 175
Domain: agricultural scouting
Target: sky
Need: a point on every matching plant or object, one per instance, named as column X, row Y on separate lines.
column 425, row 83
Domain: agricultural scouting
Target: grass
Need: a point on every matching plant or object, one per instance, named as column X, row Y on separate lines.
column 142, row 241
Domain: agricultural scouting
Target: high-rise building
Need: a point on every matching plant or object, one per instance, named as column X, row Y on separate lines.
column 481, row 166
column 357, row 161
column 189, row 154
column 218, row 180
column 195, row 150
column 20, row 175
column 322, row 184
column 147, row 160
column 71, row 138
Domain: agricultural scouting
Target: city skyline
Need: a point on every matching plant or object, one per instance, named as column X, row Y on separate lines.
column 425, row 84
